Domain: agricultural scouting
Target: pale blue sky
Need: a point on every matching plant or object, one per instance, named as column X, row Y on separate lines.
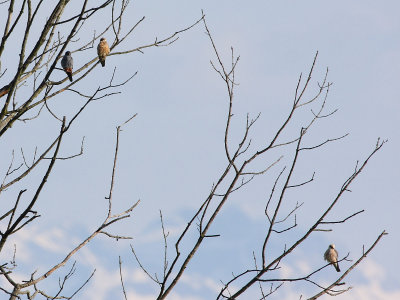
column 173, row 151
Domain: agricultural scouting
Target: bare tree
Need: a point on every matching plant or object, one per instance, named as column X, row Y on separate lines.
column 239, row 171
column 26, row 89
column 40, row 54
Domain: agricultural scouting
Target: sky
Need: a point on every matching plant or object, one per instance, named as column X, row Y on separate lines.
column 173, row 151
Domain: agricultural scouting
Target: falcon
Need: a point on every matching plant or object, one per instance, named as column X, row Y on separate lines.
column 102, row 51
column 331, row 255
column 67, row 64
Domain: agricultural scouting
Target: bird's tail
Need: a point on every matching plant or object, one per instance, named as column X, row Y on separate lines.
column 68, row 71
column 103, row 62
column 336, row 265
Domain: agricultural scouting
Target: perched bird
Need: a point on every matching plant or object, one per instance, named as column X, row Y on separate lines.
column 331, row 255
column 4, row 90
column 67, row 64
column 102, row 51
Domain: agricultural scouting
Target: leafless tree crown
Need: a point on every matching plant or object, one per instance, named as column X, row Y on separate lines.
column 37, row 69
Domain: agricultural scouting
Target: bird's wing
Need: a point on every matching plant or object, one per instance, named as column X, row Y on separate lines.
column 63, row 62
column 326, row 255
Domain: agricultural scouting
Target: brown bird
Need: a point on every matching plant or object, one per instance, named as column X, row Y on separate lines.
column 331, row 255
column 4, row 90
column 102, row 51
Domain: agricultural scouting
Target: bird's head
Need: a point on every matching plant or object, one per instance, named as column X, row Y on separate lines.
column 332, row 246
column 68, row 53
column 102, row 39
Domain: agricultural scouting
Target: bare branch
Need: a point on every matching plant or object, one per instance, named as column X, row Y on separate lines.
column 120, row 275
column 344, row 220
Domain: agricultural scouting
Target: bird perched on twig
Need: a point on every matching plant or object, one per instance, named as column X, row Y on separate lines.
column 102, row 51
column 331, row 255
column 67, row 64
column 4, row 90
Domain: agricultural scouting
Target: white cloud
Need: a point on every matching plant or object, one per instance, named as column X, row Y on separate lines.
column 250, row 212
column 299, row 267
column 303, row 266
column 156, row 235
column 101, row 285
column 372, row 291
column 106, row 281
column 176, row 296
column 88, row 257
column 212, row 284
column 135, row 296
column 372, row 270
column 173, row 296
column 139, row 276
column 54, row 240
column 199, row 282
column 286, row 271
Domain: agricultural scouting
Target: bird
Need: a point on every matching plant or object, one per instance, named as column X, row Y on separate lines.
column 4, row 90
column 331, row 255
column 102, row 51
column 67, row 64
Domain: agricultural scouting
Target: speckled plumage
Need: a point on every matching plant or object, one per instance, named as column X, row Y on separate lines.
column 67, row 64
column 331, row 255
column 102, row 51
